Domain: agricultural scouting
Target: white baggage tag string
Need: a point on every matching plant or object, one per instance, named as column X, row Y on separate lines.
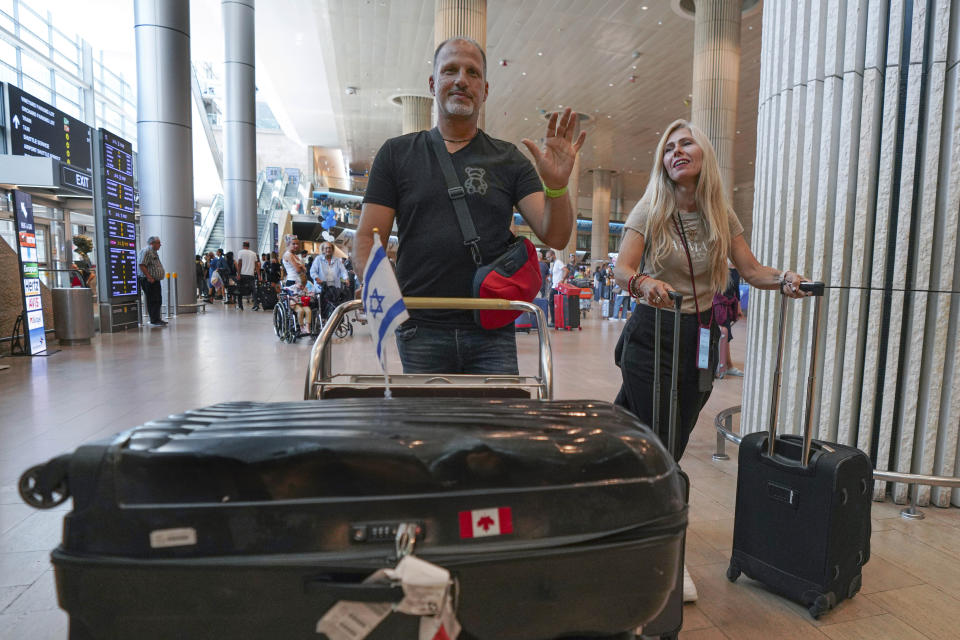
column 426, row 593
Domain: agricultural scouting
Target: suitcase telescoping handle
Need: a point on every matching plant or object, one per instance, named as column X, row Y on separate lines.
column 816, row 289
column 674, row 397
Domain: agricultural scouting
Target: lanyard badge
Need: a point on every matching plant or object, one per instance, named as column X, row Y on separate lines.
column 703, row 335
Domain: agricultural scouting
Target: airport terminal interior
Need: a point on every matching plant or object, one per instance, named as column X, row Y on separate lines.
column 836, row 126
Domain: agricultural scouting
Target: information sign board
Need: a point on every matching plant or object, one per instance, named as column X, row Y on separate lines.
column 38, row 129
column 117, row 223
column 29, row 273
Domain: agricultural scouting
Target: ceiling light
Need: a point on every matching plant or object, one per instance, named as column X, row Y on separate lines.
column 523, row 73
column 644, row 8
column 660, row 22
column 539, row 53
column 611, row 84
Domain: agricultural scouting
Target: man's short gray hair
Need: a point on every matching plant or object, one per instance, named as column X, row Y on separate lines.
column 153, row 239
column 483, row 54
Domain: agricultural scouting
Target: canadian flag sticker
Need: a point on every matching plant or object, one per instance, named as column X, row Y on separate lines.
column 480, row 523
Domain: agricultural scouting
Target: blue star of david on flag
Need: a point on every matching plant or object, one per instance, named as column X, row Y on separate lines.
column 377, row 307
column 382, row 299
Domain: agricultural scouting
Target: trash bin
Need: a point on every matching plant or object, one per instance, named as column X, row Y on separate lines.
column 73, row 315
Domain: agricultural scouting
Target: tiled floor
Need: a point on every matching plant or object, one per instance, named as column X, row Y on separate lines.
column 50, row 405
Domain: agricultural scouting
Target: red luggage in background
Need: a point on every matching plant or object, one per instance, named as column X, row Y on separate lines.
column 566, row 307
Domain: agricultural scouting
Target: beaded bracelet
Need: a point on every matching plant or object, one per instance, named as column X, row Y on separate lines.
column 636, row 278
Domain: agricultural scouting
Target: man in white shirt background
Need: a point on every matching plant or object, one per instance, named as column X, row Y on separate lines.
column 248, row 268
column 328, row 271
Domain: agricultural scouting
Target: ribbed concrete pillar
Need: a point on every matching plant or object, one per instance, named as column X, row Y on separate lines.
column 416, row 113
column 716, row 76
column 600, row 231
column 239, row 126
column 461, row 18
column 858, row 184
column 573, row 190
column 165, row 150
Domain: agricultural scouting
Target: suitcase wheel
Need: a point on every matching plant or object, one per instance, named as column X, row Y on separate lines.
column 855, row 585
column 820, row 606
column 36, row 490
column 733, row 572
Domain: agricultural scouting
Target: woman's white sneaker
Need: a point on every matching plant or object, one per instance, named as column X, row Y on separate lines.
column 689, row 589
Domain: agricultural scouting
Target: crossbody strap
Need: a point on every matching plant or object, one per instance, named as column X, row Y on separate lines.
column 457, row 195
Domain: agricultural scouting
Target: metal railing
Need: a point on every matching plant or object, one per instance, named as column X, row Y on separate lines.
column 723, row 423
column 319, row 367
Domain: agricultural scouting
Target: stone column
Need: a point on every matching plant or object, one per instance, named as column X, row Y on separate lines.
column 239, row 127
column 573, row 190
column 716, row 76
column 164, row 137
column 857, row 184
column 416, row 112
column 466, row 18
column 600, row 231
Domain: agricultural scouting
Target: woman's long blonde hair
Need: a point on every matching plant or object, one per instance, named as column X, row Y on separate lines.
column 712, row 202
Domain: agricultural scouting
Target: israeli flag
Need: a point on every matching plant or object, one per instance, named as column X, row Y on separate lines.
column 382, row 300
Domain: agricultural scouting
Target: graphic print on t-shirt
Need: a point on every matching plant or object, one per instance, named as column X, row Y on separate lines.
column 475, row 182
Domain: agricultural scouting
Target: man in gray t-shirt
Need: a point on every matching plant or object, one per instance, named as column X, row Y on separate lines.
column 151, row 275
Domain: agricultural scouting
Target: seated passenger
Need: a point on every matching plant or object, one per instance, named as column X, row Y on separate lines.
column 300, row 303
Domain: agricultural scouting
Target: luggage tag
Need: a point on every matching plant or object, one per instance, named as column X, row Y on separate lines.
column 704, row 374
column 703, row 349
column 426, row 593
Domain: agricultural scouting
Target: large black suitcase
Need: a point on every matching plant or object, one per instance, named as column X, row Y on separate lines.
column 802, row 524
column 250, row 520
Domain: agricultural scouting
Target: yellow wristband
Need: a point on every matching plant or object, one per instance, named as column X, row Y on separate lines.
column 554, row 193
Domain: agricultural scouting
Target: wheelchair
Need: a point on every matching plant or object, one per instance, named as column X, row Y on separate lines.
column 327, row 300
column 285, row 318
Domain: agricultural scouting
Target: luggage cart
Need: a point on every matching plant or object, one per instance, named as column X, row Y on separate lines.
column 322, row 383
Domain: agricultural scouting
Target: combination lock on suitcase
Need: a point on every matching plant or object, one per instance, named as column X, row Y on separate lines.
column 802, row 524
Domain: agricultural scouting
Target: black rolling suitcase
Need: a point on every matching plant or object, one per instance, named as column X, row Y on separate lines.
column 266, row 296
column 802, row 524
column 251, row 520
column 667, row 624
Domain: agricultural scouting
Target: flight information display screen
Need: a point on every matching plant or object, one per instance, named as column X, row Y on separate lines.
column 38, row 129
column 119, row 224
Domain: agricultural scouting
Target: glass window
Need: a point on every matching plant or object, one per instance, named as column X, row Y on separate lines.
column 68, row 106
column 65, row 45
column 6, row 232
column 6, row 10
column 8, row 53
column 42, row 236
column 67, row 63
column 37, row 69
column 8, row 74
column 37, row 42
column 68, row 88
column 37, row 89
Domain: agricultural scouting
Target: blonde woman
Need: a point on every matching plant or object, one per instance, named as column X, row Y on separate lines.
column 683, row 230
column 292, row 264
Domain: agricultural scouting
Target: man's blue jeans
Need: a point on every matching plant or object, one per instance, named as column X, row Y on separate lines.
column 427, row 349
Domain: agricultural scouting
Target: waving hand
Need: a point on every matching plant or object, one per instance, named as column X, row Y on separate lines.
column 555, row 162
